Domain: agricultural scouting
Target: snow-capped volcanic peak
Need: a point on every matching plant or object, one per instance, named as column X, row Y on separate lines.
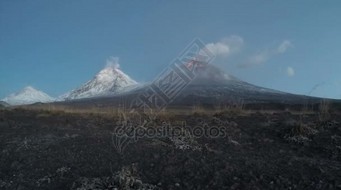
column 108, row 81
column 113, row 74
column 28, row 95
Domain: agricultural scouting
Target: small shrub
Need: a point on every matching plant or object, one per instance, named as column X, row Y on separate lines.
column 298, row 131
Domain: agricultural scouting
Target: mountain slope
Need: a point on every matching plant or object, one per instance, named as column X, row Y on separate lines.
column 211, row 81
column 4, row 104
column 110, row 80
column 211, row 87
column 28, row 95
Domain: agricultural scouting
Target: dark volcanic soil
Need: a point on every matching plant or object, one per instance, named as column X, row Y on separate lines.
column 56, row 150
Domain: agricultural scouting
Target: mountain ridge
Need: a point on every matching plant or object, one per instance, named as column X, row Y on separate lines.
column 211, row 84
column 211, row 87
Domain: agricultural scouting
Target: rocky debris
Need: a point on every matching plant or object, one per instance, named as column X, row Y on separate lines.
column 126, row 179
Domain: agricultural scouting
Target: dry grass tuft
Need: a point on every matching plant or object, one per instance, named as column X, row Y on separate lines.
column 324, row 111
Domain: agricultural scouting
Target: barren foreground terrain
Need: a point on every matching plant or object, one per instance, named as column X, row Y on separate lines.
column 260, row 150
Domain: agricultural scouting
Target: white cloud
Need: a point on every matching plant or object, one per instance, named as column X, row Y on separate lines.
column 290, row 71
column 266, row 54
column 284, row 46
column 234, row 42
column 260, row 57
column 112, row 62
column 218, row 48
column 226, row 46
column 256, row 59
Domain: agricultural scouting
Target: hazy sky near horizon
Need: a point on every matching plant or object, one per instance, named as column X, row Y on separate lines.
column 56, row 46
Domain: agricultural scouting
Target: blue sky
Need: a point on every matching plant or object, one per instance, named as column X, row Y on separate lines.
column 56, row 46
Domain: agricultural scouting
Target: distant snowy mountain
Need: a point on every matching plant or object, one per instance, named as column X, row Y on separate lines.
column 28, row 95
column 110, row 80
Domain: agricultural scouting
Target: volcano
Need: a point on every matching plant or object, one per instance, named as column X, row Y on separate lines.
column 28, row 95
column 214, row 86
column 109, row 81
